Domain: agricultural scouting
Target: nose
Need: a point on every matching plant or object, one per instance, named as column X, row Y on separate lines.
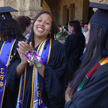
column 42, row 23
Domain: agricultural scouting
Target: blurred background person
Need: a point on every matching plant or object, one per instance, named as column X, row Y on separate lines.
column 28, row 35
column 75, row 43
column 82, row 25
column 85, row 29
column 25, row 24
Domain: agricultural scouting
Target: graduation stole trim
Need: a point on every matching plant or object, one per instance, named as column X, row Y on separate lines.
column 101, row 63
column 36, row 99
column 21, row 89
column 5, row 54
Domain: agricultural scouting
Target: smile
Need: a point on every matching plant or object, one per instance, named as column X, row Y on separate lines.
column 40, row 29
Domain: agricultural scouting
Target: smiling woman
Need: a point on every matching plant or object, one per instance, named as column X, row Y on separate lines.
column 42, row 27
column 44, row 84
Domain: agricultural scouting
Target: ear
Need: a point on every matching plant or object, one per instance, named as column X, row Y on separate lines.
column 49, row 32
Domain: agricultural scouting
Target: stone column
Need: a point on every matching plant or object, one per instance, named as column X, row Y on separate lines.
column 25, row 7
column 1, row 3
column 34, row 7
column 29, row 7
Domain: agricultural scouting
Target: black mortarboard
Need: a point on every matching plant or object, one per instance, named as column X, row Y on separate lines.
column 5, row 13
column 100, row 17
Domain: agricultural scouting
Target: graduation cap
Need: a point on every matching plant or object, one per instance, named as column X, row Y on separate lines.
column 5, row 13
column 100, row 17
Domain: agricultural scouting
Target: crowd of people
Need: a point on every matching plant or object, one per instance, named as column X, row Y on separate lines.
column 38, row 71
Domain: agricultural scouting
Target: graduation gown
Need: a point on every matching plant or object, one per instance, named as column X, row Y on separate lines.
column 12, row 84
column 74, row 45
column 95, row 92
column 52, row 86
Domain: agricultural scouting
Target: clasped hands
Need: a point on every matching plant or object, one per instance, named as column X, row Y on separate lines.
column 27, row 54
column 22, row 48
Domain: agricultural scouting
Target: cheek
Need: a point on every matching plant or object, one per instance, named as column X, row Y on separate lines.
column 35, row 24
column 48, row 28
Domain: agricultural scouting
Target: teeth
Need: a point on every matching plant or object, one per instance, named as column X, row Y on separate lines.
column 40, row 29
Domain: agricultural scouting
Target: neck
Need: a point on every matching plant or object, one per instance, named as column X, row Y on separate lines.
column 38, row 40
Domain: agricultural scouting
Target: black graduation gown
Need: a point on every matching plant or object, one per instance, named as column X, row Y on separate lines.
column 95, row 93
column 12, row 84
column 75, row 45
column 53, row 84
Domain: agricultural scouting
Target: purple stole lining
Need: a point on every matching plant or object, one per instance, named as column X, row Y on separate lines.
column 36, row 99
column 5, row 54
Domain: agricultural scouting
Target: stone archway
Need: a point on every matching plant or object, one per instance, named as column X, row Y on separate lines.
column 45, row 6
column 25, row 7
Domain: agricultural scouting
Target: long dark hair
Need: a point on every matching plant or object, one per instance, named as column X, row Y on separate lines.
column 93, row 55
column 10, row 29
column 53, row 28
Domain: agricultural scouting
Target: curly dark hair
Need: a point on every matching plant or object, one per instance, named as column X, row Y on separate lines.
column 76, row 25
column 10, row 29
column 53, row 28
column 23, row 21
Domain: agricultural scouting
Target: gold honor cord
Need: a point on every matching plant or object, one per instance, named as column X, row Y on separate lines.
column 49, row 50
column 39, row 51
column 25, row 80
column 2, row 47
column 31, row 106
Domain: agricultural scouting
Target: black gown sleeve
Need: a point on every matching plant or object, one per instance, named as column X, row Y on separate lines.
column 54, row 74
column 11, row 79
column 70, row 44
column 94, row 94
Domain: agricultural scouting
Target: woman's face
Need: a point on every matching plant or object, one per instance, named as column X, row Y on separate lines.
column 88, row 33
column 71, row 28
column 42, row 25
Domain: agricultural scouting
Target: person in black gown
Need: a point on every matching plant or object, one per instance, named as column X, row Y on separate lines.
column 52, row 76
column 89, row 89
column 9, row 32
column 75, row 43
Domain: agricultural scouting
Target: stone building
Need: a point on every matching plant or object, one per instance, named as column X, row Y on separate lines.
column 62, row 10
column 67, row 10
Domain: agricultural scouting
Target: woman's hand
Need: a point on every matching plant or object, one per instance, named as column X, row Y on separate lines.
column 40, row 69
column 23, row 47
column 67, row 96
column 22, row 56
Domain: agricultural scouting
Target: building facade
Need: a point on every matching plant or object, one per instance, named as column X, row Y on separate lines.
column 62, row 10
